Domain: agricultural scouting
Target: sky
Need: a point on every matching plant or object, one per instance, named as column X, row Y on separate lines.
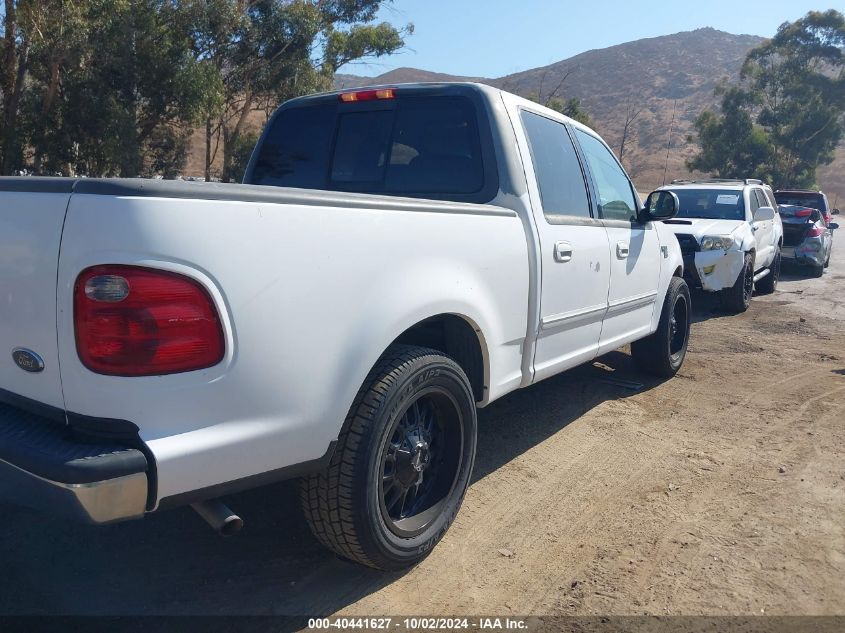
column 492, row 38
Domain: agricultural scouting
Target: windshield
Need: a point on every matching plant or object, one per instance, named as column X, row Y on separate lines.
column 811, row 200
column 711, row 204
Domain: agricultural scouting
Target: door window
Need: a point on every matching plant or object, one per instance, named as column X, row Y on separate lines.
column 556, row 166
column 761, row 198
column 616, row 196
column 755, row 202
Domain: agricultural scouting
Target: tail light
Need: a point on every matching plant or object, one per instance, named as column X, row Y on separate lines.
column 816, row 231
column 134, row 321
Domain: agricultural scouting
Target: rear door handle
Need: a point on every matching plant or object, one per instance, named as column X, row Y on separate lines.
column 622, row 250
column 563, row 252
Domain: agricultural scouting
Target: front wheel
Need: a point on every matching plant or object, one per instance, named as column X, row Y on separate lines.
column 737, row 297
column 663, row 353
column 402, row 464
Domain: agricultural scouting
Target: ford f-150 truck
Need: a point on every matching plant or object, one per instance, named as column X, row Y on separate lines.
column 397, row 257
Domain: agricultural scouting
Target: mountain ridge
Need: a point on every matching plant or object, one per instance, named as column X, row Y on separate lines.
column 669, row 78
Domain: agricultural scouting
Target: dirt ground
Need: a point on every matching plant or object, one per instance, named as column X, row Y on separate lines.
column 721, row 491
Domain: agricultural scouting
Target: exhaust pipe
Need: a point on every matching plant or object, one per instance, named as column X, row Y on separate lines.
column 221, row 519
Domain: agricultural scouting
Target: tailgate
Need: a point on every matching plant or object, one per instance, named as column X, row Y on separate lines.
column 30, row 232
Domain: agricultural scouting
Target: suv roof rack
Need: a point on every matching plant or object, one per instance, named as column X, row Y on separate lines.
column 714, row 181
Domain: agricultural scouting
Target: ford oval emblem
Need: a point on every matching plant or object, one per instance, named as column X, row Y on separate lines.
column 28, row 360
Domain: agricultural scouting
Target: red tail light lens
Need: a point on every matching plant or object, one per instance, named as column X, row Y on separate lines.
column 816, row 231
column 134, row 321
column 803, row 213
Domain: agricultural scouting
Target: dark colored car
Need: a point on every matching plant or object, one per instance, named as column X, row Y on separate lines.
column 807, row 228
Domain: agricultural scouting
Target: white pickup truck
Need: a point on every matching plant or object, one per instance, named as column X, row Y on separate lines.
column 398, row 257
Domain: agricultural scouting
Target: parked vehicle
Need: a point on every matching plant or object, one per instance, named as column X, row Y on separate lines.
column 398, row 257
column 807, row 228
column 731, row 237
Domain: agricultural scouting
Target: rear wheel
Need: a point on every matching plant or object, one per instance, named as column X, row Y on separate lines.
column 827, row 260
column 737, row 297
column 768, row 283
column 402, row 463
column 817, row 271
column 663, row 353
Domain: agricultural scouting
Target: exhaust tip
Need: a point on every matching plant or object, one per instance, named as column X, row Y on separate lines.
column 231, row 526
column 221, row 519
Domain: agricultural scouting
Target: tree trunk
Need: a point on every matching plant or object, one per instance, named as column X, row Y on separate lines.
column 227, row 153
column 46, row 107
column 230, row 137
column 10, row 136
column 208, row 149
column 7, row 84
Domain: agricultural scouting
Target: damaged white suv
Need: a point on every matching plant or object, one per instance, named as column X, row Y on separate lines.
column 731, row 235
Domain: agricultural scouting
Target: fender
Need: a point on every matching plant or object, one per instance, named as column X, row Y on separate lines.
column 749, row 242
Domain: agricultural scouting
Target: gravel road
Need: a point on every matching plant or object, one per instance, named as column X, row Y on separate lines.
column 721, row 491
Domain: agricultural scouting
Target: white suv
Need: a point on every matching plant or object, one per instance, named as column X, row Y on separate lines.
column 731, row 235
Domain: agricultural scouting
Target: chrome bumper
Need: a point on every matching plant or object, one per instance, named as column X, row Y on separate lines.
column 105, row 501
column 43, row 466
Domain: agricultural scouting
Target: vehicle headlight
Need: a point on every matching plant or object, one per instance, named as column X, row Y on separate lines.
column 716, row 242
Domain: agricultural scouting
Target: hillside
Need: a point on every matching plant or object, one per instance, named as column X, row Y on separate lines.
column 653, row 75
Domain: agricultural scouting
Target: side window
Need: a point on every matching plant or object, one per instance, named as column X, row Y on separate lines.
column 761, row 198
column 616, row 195
column 770, row 199
column 559, row 175
column 755, row 202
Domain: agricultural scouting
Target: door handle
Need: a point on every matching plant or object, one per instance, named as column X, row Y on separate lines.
column 622, row 250
column 563, row 252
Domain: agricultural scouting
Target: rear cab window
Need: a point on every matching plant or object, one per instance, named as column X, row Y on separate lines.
column 416, row 145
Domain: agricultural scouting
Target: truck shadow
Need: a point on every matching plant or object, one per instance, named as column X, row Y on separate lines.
column 172, row 564
column 707, row 306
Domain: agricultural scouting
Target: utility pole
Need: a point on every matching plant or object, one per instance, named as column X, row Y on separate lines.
column 669, row 143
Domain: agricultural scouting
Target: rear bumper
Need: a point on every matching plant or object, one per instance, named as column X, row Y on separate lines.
column 44, row 466
column 810, row 253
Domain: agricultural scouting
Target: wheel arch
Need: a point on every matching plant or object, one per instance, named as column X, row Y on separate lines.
column 458, row 337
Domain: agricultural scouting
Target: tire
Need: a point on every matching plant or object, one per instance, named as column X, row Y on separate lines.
column 411, row 433
column 737, row 297
column 827, row 259
column 816, row 271
column 769, row 283
column 663, row 353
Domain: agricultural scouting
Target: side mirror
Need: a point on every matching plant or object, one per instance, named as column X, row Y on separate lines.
column 833, row 225
column 764, row 214
column 834, row 212
column 660, row 205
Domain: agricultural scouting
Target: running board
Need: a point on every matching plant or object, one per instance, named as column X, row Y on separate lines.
column 761, row 274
